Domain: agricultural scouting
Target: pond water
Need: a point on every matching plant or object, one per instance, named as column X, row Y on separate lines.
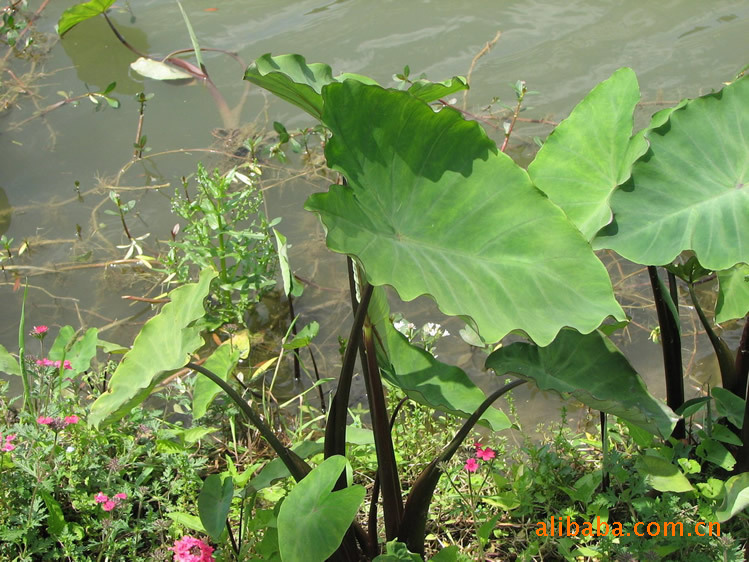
column 678, row 48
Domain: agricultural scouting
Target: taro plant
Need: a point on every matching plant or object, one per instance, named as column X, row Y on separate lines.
column 429, row 205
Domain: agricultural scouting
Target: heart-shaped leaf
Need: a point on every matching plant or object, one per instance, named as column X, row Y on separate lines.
column 313, row 519
column 214, row 502
column 662, row 475
column 733, row 297
column 81, row 12
column 737, row 497
column 164, row 344
column 591, row 369
column 689, row 190
column 221, row 362
column 591, row 152
column 432, row 209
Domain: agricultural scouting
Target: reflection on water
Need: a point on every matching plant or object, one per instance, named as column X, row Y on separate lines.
column 677, row 48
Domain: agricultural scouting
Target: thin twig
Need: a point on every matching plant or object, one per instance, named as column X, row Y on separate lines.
column 485, row 50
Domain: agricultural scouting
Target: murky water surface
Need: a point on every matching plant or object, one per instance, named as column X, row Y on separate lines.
column 678, row 48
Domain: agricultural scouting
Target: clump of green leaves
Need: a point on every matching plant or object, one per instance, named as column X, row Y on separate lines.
column 226, row 230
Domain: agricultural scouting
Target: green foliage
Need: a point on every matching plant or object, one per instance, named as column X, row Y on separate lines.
column 214, row 503
column 733, row 298
column 688, row 191
column 591, row 152
column 80, row 13
column 423, row 193
column 50, row 479
column 600, row 377
column 225, row 229
column 313, row 518
column 164, row 344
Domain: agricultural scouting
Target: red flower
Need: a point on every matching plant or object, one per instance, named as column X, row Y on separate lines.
column 471, row 465
column 485, row 454
column 190, row 549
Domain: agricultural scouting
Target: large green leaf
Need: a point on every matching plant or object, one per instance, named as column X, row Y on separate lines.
column 81, row 12
column 733, row 297
column 214, row 502
column 591, row 369
column 591, row 152
column 313, row 519
column 423, row 378
column 689, row 191
column 661, row 474
column 292, row 79
column 737, row 497
column 432, row 208
column 221, row 362
column 164, row 344
column 8, row 363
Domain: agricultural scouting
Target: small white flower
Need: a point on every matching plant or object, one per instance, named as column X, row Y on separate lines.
column 70, row 449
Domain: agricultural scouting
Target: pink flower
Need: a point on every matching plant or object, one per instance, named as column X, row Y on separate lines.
column 120, row 496
column 39, row 331
column 190, row 549
column 44, row 420
column 49, row 363
column 471, row 465
column 71, row 420
column 485, row 454
column 7, row 447
column 101, row 498
column 108, row 505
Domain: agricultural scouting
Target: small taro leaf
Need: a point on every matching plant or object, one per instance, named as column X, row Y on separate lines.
column 359, row 435
column 662, row 475
column 8, row 363
column 449, row 554
column 429, row 193
column 733, row 296
column 63, row 340
column 164, row 344
column 484, row 532
column 431, row 382
column 737, row 497
column 689, row 192
column 304, row 337
column 290, row 78
column 214, row 502
column 80, row 353
column 81, row 12
column 275, row 470
column 313, row 519
column 428, row 91
column 642, row 438
column 714, row 452
column 690, row 271
column 591, row 369
column 221, row 362
column 56, row 519
column 187, row 520
column 591, row 152
column 691, row 407
column 157, row 70
column 195, row 434
column 729, row 406
column 724, row 435
column 397, row 552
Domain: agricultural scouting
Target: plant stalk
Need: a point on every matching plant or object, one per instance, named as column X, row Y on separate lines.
column 293, row 462
column 671, row 348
